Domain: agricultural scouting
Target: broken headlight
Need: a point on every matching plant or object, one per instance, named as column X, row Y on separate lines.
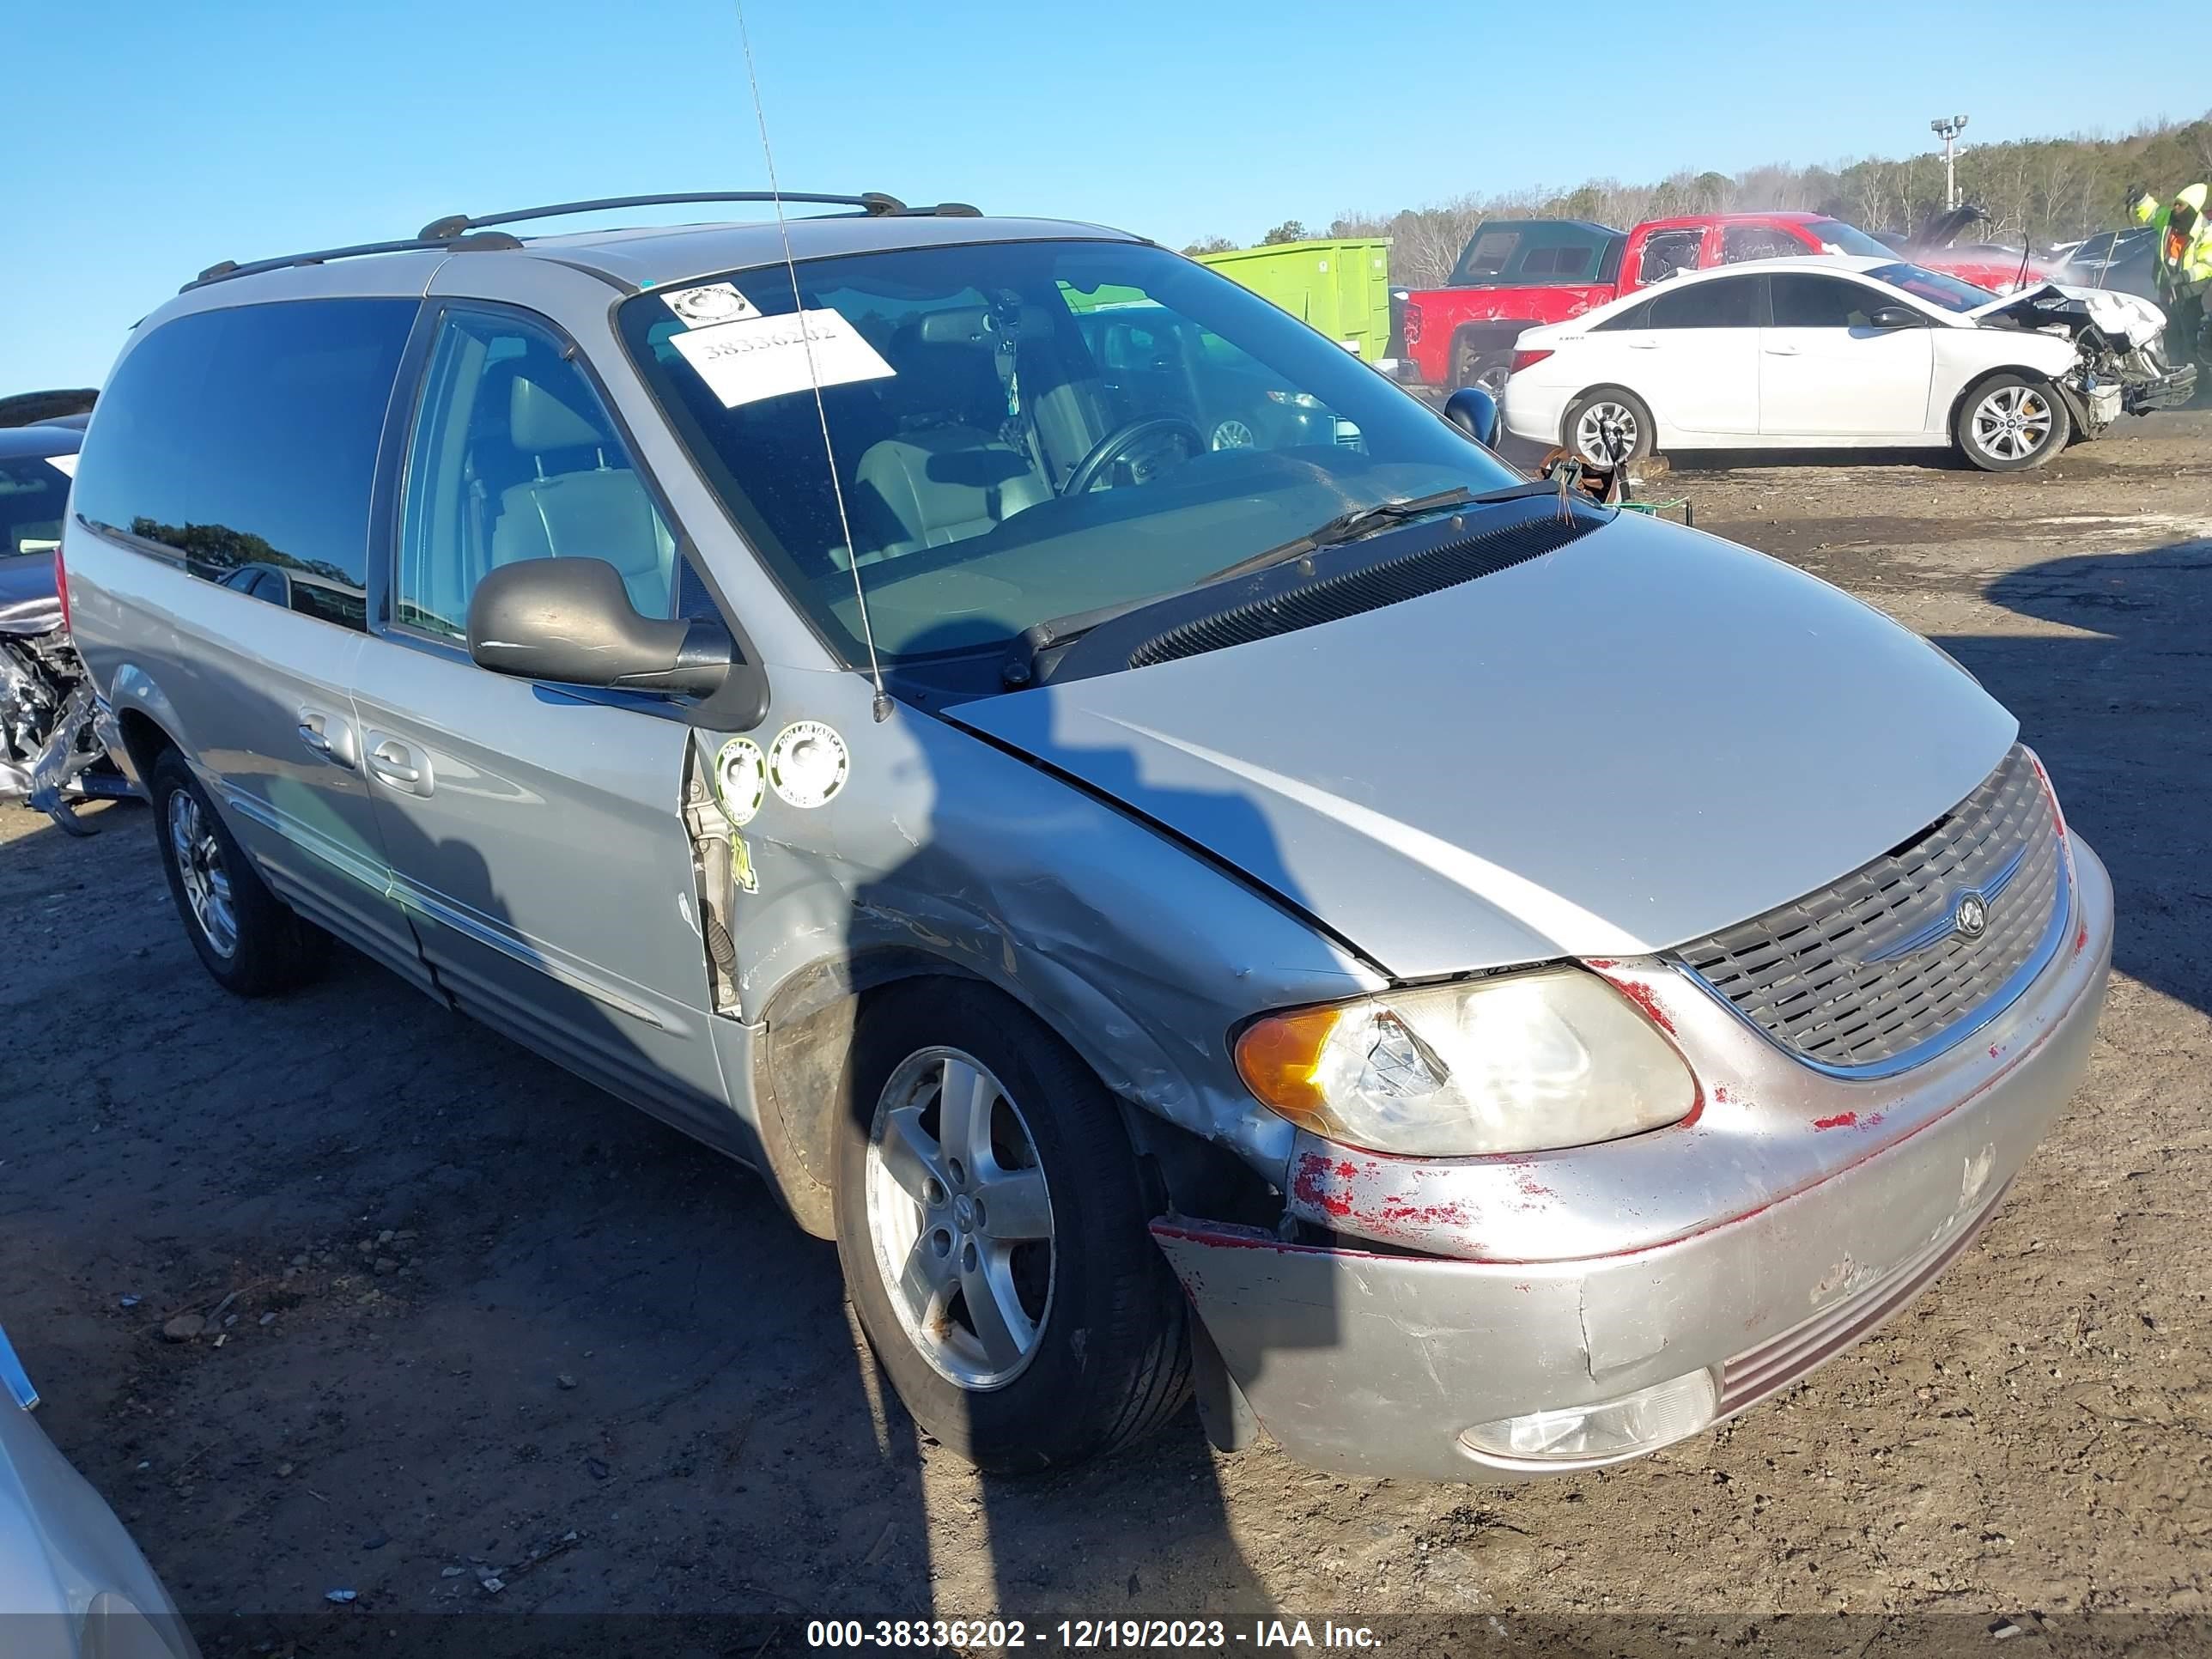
column 1519, row 1063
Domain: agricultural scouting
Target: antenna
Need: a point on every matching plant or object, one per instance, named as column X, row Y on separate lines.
column 882, row 706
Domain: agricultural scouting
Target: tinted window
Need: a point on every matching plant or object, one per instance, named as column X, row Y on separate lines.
column 1545, row 251
column 1563, row 262
column 32, row 493
column 1486, row 254
column 1731, row 303
column 1637, row 316
column 514, row 457
column 1740, row 243
column 248, row 436
column 1806, row 302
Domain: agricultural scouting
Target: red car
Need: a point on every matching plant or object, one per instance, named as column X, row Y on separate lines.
column 1515, row 273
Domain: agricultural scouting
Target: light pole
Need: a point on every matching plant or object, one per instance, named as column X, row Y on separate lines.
column 1948, row 128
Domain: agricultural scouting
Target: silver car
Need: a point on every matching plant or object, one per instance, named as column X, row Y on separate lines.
column 1470, row 980
column 72, row 1584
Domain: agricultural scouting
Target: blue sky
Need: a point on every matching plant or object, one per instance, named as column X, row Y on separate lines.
column 175, row 136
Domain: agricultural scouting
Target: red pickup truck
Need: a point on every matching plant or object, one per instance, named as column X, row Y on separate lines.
column 1515, row 273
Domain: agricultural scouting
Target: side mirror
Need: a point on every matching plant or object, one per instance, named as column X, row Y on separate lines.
column 1473, row 412
column 1894, row 316
column 570, row 620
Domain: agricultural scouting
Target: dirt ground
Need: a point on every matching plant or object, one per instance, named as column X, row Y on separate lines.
column 487, row 1321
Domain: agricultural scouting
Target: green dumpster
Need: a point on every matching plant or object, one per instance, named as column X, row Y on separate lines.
column 1342, row 288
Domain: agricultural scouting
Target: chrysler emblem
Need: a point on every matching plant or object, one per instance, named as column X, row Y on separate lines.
column 1971, row 918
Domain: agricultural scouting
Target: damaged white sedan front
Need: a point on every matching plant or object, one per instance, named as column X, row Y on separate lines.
column 2120, row 364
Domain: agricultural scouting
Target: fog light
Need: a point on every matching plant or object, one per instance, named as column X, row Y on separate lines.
column 1626, row 1427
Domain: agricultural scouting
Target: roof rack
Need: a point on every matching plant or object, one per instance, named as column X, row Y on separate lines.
column 462, row 232
column 223, row 271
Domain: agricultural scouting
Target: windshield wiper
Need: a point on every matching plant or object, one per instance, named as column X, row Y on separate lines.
column 1057, row 633
column 1367, row 521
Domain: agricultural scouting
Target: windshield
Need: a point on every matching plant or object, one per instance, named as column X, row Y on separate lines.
column 1837, row 237
column 33, row 494
column 1023, row 431
column 1933, row 286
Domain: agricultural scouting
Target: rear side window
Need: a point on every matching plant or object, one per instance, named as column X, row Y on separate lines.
column 1730, row 302
column 1743, row 243
column 246, row 438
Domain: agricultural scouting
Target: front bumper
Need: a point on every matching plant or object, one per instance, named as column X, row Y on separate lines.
column 1786, row 1219
column 2172, row 391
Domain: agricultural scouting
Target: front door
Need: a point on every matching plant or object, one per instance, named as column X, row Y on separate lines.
column 534, row 833
column 1825, row 371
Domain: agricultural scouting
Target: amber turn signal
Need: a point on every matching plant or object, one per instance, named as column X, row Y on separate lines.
column 1278, row 1056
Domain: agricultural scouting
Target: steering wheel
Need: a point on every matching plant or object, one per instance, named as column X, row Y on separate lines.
column 1122, row 439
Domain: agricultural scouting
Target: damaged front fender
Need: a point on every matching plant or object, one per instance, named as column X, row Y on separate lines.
column 941, row 850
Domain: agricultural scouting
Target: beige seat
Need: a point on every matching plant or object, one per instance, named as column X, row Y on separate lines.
column 594, row 511
column 944, row 476
column 942, row 484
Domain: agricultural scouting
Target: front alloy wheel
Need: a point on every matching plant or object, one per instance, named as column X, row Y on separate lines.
column 960, row 1217
column 990, row 1219
column 2013, row 422
column 2010, row 422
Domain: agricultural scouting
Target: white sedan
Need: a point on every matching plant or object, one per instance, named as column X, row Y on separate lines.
column 1834, row 353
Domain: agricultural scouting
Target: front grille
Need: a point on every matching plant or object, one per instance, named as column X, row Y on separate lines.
column 1873, row 972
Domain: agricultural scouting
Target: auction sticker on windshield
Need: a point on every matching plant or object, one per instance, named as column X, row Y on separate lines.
column 713, row 302
column 757, row 357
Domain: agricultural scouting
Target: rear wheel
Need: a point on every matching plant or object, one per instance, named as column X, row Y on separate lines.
column 1607, row 428
column 248, row 939
column 992, row 1229
column 2010, row 422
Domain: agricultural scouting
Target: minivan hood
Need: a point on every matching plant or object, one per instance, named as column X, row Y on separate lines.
column 1622, row 745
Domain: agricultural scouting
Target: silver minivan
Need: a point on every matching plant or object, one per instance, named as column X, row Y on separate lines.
column 1194, row 873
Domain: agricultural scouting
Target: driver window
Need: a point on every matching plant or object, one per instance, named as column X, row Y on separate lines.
column 514, row 457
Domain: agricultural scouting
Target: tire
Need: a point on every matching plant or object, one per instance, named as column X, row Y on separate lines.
column 1608, row 418
column 249, row 941
column 1107, row 1357
column 2009, row 422
column 1473, row 365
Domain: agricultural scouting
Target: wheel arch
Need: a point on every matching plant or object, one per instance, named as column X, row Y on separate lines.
column 806, row 1032
column 148, row 721
column 2076, row 410
column 1492, row 333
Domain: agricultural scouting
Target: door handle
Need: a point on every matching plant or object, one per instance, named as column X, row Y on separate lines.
column 329, row 736
column 395, row 761
column 1644, row 345
column 1783, row 351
